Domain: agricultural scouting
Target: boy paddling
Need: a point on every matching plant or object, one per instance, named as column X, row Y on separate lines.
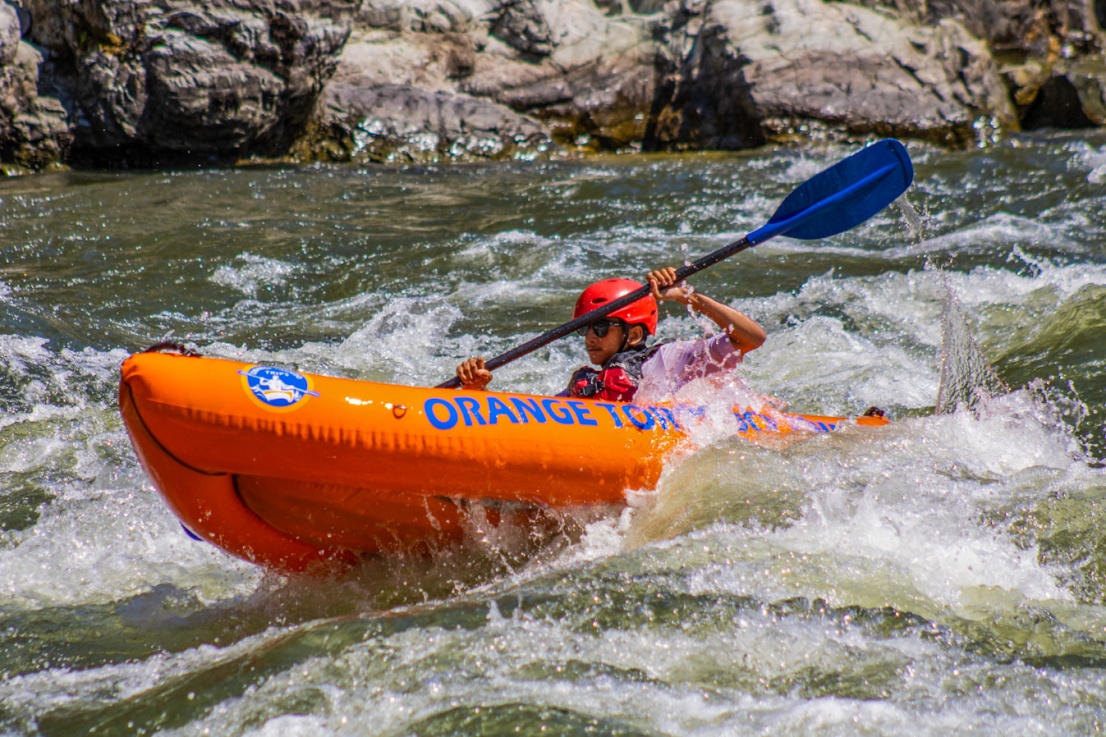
column 616, row 343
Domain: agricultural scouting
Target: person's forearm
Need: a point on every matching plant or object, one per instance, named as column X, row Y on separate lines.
column 745, row 334
column 743, row 331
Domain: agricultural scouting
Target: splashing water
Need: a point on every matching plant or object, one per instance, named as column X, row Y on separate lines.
column 967, row 377
column 913, row 220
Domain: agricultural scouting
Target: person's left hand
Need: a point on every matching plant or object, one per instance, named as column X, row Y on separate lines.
column 473, row 375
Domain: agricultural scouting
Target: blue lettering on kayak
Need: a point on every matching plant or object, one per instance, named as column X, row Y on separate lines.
column 644, row 423
column 582, row 413
column 665, row 418
column 658, row 418
column 556, row 409
column 742, row 425
column 468, row 404
column 445, row 414
column 611, row 411
column 528, row 407
column 451, row 413
column 498, row 408
column 750, row 419
column 802, row 423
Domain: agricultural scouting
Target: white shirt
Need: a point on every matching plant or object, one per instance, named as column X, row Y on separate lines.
column 676, row 364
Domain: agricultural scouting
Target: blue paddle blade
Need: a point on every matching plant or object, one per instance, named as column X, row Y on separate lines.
column 843, row 196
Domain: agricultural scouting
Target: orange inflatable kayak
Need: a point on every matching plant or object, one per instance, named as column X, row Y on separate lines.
column 290, row 470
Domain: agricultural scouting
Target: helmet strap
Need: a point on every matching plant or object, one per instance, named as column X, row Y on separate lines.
column 626, row 337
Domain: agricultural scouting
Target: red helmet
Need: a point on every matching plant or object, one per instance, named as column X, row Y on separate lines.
column 641, row 312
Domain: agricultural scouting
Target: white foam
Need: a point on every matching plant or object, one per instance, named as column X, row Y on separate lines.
column 98, row 543
column 820, row 367
column 292, row 725
column 104, row 533
column 1089, row 157
column 889, row 517
column 254, row 274
column 40, row 692
column 994, row 233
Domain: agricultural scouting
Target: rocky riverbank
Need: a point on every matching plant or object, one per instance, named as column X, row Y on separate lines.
column 184, row 82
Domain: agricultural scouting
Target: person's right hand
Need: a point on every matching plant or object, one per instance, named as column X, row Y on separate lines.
column 474, row 377
column 664, row 285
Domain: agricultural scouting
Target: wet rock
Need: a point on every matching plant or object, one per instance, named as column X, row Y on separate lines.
column 1034, row 27
column 1056, row 105
column 522, row 26
column 164, row 80
column 396, row 123
column 1054, row 92
column 34, row 130
column 581, row 75
column 861, row 71
column 564, row 67
column 600, row 83
column 1052, row 51
column 724, row 74
column 422, row 16
column 10, row 32
column 703, row 99
column 1088, row 76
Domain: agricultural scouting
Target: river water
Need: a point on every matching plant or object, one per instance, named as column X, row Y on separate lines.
column 945, row 575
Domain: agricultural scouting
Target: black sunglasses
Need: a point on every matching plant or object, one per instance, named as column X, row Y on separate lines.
column 601, row 327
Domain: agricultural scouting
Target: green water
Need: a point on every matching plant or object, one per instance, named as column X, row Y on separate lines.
column 944, row 575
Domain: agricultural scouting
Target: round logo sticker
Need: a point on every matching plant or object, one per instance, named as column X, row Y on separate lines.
column 276, row 388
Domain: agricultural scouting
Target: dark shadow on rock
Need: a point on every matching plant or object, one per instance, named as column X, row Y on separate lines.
column 1057, row 105
column 688, row 111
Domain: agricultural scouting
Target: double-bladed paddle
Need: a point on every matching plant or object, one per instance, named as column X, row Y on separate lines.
column 833, row 201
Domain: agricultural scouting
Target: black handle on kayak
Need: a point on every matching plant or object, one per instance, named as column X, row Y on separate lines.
column 830, row 202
